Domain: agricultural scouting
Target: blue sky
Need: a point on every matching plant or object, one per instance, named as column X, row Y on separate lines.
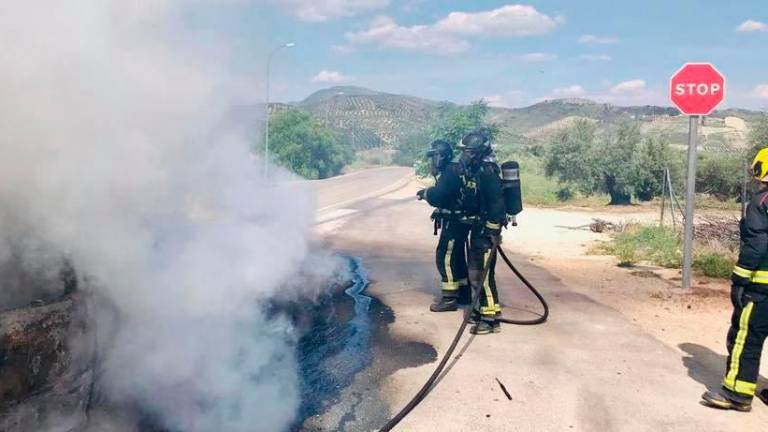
column 512, row 54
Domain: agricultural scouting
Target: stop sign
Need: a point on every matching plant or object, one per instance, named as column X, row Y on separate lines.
column 697, row 88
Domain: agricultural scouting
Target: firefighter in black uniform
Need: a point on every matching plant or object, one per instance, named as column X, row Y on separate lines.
column 749, row 296
column 450, row 255
column 482, row 202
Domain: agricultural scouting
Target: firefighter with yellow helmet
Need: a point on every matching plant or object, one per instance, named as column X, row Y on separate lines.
column 749, row 296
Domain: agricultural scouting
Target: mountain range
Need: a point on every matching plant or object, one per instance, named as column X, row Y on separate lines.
column 370, row 119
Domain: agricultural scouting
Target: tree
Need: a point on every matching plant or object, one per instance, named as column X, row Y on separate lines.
column 570, row 156
column 453, row 122
column 758, row 137
column 305, row 146
column 621, row 163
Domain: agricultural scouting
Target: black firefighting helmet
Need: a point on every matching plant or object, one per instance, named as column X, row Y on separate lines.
column 440, row 153
column 476, row 145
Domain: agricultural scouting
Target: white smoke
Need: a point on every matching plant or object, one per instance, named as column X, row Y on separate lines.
column 111, row 150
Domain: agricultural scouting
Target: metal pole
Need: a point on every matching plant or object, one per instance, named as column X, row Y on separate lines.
column 663, row 195
column 266, row 119
column 744, row 188
column 690, row 194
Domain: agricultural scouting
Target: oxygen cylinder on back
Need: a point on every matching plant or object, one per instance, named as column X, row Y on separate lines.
column 510, row 182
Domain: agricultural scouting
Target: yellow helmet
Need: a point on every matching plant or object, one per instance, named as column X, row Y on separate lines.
column 760, row 165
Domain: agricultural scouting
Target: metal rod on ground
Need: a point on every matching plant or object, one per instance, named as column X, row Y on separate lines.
column 663, row 196
column 689, row 201
column 674, row 197
column 672, row 200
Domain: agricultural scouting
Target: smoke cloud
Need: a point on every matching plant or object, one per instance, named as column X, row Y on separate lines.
column 114, row 156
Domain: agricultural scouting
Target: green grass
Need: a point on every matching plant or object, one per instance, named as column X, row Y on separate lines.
column 661, row 246
column 714, row 265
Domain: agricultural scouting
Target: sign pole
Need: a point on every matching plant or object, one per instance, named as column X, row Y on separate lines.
column 690, row 194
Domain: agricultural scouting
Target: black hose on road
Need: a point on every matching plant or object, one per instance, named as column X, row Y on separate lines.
column 428, row 386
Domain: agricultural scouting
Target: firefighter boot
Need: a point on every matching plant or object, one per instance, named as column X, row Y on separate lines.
column 485, row 326
column 446, row 304
column 724, row 399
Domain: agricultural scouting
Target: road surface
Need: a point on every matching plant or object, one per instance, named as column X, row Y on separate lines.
column 589, row 368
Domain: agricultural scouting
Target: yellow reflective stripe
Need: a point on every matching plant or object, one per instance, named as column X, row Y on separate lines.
column 450, row 286
column 492, row 225
column 447, row 262
column 742, row 272
column 491, row 308
column 760, row 276
column 744, row 387
column 487, row 310
column 738, row 348
column 497, row 308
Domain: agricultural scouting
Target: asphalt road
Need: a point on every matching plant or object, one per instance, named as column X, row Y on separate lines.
column 588, row 369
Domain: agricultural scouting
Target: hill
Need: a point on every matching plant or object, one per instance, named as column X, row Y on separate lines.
column 367, row 118
column 370, row 119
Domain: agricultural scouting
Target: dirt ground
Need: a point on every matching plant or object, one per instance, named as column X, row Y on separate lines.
column 693, row 322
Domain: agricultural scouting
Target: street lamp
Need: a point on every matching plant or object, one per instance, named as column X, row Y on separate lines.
column 266, row 123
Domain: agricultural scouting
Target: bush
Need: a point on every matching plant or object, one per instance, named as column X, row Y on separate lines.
column 621, row 162
column 302, row 144
column 659, row 245
column 720, row 175
column 714, row 265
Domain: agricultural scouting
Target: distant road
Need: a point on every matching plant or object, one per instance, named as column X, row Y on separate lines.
column 349, row 188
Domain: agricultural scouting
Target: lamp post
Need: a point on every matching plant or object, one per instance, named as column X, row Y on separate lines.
column 266, row 122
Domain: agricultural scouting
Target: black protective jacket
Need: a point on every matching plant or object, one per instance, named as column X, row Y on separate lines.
column 445, row 193
column 752, row 267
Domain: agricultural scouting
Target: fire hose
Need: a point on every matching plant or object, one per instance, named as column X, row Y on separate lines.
column 429, row 385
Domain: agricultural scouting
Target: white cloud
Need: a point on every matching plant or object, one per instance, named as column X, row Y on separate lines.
column 596, row 57
column 633, row 92
column 539, row 57
column 592, row 39
column 509, row 20
column 569, row 92
column 752, row 26
column 760, row 91
column 632, row 86
column 324, row 10
column 449, row 35
column 327, row 76
column 386, row 33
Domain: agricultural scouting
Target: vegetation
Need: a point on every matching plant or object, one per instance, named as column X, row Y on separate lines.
column 451, row 123
column 758, row 136
column 662, row 246
column 299, row 142
column 621, row 163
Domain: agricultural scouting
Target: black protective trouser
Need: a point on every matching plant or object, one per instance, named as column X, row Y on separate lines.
column 451, row 256
column 749, row 327
column 480, row 256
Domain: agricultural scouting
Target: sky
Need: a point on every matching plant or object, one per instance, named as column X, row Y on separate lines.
column 511, row 54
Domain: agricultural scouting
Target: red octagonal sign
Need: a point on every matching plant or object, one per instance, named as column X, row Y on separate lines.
column 697, row 88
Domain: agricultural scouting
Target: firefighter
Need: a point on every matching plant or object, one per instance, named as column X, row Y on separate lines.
column 749, row 296
column 450, row 255
column 482, row 202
